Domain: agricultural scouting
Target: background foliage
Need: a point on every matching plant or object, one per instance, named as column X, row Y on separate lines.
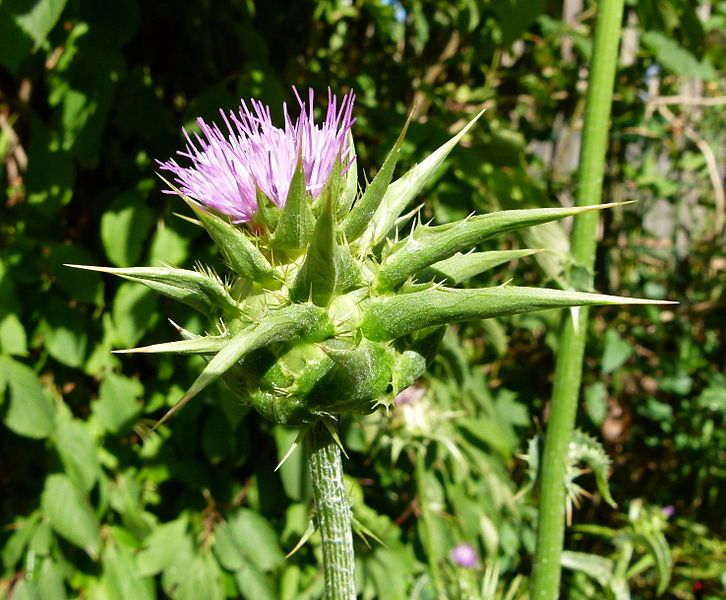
column 91, row 93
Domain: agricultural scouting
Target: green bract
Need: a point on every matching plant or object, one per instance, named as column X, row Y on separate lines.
column 322, row 312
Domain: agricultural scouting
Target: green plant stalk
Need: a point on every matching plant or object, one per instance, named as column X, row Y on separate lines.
column 333, row 514
column 568, row 370
column 426, row 525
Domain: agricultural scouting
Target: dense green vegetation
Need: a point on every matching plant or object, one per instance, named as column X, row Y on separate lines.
column 92, row 93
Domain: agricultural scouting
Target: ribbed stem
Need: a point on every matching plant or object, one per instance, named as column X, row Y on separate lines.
column 568, row 371
column 333, row 514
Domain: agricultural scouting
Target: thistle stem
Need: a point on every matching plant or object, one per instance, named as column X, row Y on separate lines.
column 568, row 370
column 333, row 514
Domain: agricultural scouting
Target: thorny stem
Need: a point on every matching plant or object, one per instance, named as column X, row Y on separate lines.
column 568, row 370
column 333, row 514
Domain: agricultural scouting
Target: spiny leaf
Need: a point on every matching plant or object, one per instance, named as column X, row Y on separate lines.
column 390, row 317
column 428, row 245
column 405, row 189
column 201, row 291
column 461, row 267
column 584, row 448
column 362, row 212
column 296, row 222
column 290, row 323
column 200, row 345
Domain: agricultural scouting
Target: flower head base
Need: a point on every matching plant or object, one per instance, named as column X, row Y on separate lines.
column 326, row 309
column 228, row 168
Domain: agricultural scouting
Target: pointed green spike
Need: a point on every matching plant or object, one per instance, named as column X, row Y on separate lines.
column 242, row 255
column 390, row 317
column 428, row 245
column 201, row 345
column 362, row 212
column 328, row 267
column 298, row 321
column 402, row 191
column 349, row 191
column 296, row 222
column 201, row 291
column 268, row 214
column 461, row 267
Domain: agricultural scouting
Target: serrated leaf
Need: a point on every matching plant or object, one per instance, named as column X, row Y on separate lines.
column 390, row 317
column 201, row 291
column 461, row 267
column 117, row 407
column 253, row 583
column 428, row 245
column 257, row 539
column 584, row 448
column 359, row 218
column 31, row 412
column 70, row 514
column 163, row 545
column 296, row 222
column 402, row 191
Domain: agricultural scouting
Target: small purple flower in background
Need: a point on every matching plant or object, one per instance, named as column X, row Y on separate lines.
column 227, row 168
column 668, row 511
column 464, row 555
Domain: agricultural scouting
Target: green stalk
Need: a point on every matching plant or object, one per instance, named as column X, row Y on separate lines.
column 568, row 370
column 333, row 514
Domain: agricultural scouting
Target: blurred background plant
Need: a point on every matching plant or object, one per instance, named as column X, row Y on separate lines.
column 91, row 93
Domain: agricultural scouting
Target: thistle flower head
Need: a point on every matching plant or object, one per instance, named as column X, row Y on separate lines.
column 325, row 309
column 464, row 555
column 229, row 164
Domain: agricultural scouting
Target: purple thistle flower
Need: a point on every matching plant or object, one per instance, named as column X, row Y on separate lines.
column 228, row 167
column 464, row 555
column 668, row 511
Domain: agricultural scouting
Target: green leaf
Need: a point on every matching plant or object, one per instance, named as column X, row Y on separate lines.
column 359, row 218
column 584, row 448
column 390, row 317
column 50, row 581
column 252, row 583
column 117, row 407
column 31, row 412
column 162, row 546
column 198, row 345
column 133, row 312
column 461, row 267
column 676, row 58
column 69, row 514
column 428, row 245
column 402, row 191
column 194, row 576
column 202, row 290
column 168, row 246
column 124, row 227
column 616, row 352
column 597, row 567
column 121, row 577
column 13, row 339
column 64, row 332
column 77, row 452
column 41, row 19
column 296, row 222
column 256, row 539
column 77, row 285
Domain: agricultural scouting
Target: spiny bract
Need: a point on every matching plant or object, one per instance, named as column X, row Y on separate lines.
column 327, row 308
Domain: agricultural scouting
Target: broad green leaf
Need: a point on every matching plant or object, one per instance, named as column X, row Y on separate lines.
column 294, row 471
column 77, row 450
column 13, row 339
column 41, row 19
column 256, row 538
column 162, row 547
column 121, row 577
column 359, row 218
column 168, row 247
column 402, row 191
column 596, row 402
column 428, row 245
column 77, row 285
column 134, row 313
column 461, row 267
column 253, row 583
column 64, row 332
column 203, row 291
column 676, row 58
column 70, row 514
column 31, row 412
column 117, row 407
column 23, row 530
column 194, row 576
column 616, row 352
column 17, row 43
column 390, row 317
column 124, row 227
column 296, row 222
column 50, row 581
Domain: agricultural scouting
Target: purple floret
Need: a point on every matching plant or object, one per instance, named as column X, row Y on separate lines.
column 228, row 167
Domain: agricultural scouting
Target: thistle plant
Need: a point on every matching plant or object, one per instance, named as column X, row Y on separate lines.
column 326, row 307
